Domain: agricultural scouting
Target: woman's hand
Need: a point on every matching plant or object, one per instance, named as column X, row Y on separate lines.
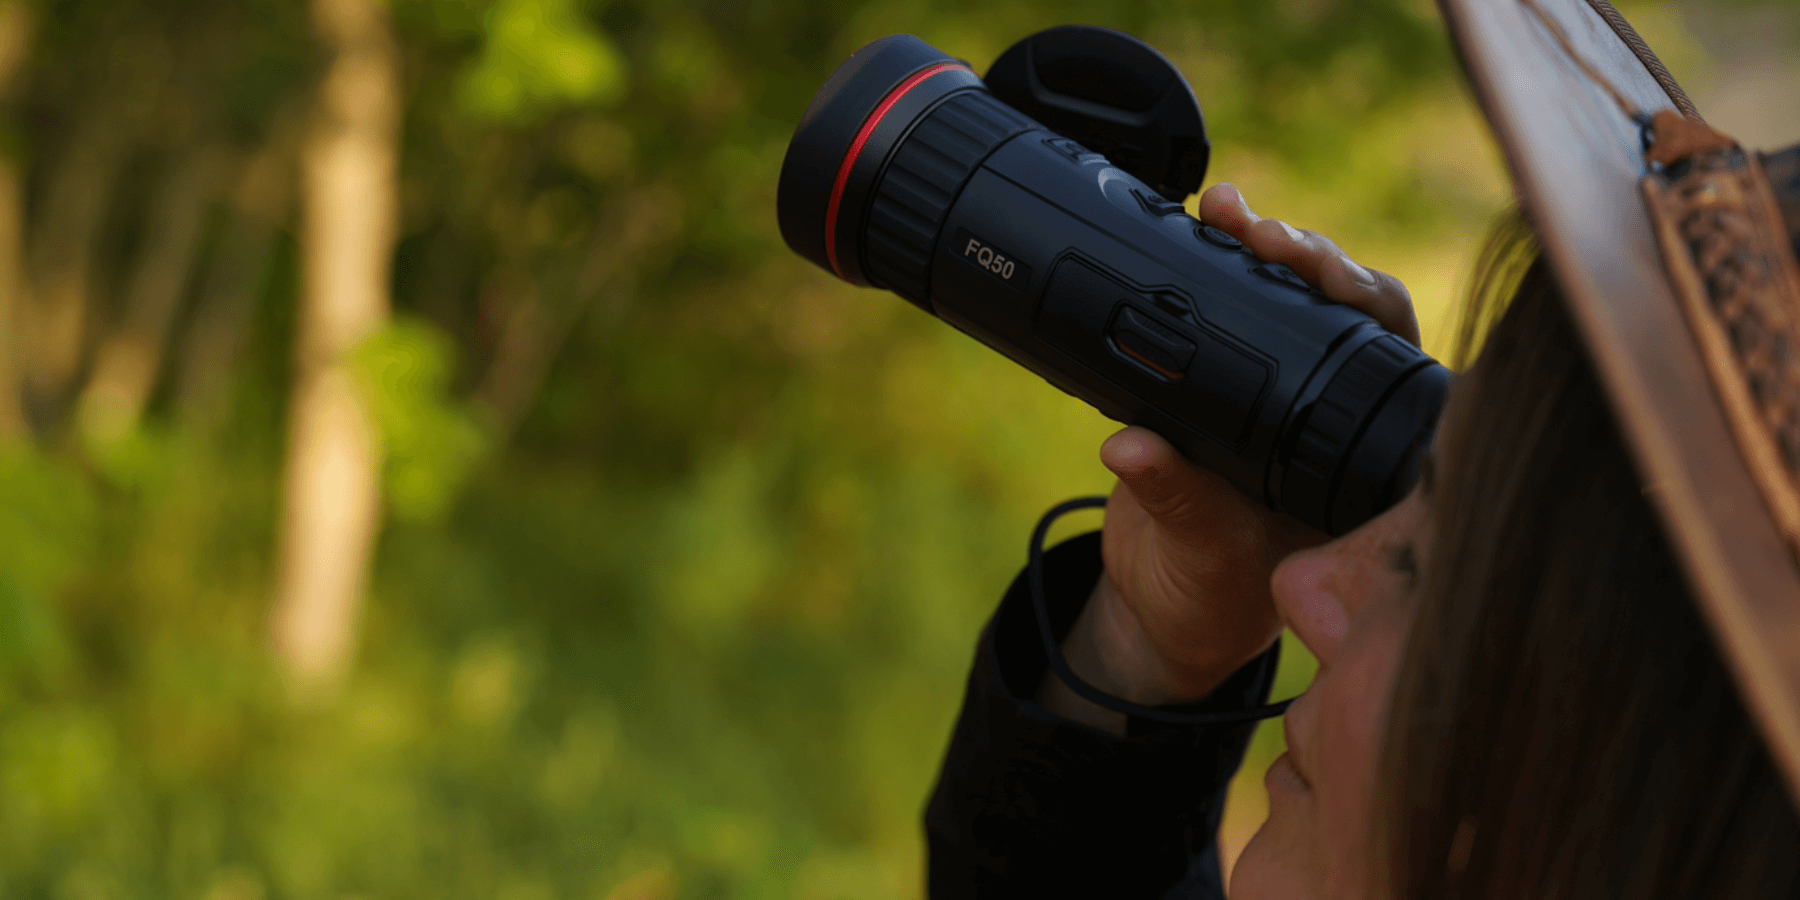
column 1185, row 600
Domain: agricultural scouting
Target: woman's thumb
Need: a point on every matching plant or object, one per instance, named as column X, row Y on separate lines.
column 1175, row 492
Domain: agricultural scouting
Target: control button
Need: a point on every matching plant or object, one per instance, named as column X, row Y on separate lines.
column 1223, row 387
column 1156, row 204
column 1172, row 303
column 1070, row 149
column 1283, row 274
column 1151, row 344
column 1218, row 238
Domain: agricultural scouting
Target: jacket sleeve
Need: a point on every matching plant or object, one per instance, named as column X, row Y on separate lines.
column 1030, row 804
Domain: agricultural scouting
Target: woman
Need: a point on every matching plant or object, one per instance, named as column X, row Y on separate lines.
column 1533, row 670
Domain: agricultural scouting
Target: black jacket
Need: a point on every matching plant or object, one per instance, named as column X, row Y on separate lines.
column 1032, row 805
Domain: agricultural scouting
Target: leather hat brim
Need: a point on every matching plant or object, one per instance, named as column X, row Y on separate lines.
column 1576, row 160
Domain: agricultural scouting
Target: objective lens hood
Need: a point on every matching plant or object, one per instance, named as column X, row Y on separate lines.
column 853, row 124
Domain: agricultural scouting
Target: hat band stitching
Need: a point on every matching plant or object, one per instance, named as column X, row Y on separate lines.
column 1720, row 235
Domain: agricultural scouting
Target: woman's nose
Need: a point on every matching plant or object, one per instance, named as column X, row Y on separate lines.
column 1306, row 596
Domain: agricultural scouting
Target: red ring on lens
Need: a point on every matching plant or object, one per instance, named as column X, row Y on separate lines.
column 856, row 148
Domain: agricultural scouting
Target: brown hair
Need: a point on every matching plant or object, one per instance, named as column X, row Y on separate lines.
column 1562, row 726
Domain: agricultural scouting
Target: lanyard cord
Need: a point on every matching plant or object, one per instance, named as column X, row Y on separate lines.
column 1034, row 571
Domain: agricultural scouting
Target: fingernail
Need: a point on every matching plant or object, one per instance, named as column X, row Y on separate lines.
column 1123, row 451
column 1359, row 274
column 1292, row 233
column 1241, row 205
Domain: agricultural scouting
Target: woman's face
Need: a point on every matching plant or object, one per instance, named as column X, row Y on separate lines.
column 1351, row 603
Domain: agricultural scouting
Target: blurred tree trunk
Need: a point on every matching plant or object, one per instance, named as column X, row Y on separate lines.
column 12, row 300
column 15, row 40
column 128, row 362
column 65, row 244
column 348, row 207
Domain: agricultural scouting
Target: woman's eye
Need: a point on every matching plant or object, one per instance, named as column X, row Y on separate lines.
column 1402, row 559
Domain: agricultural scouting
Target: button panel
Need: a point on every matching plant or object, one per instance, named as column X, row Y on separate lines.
column 1071, row 149
column 1132, row 337
column 1282, row 274
column 1156, row 204
column 1150, row 344
column 1218, row 238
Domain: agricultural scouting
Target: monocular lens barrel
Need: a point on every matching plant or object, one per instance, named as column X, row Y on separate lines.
column 848, row 138
column 907, row 173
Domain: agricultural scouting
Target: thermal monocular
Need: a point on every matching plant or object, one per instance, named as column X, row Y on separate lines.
column 1039, row 210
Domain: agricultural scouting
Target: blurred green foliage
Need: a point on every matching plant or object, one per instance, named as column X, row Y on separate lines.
column 538, row 56
column 428, row 439
column 677, row 599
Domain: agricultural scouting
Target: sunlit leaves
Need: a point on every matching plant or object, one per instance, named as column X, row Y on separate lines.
column 540, row 55
column 47, row 517
column 429, row 441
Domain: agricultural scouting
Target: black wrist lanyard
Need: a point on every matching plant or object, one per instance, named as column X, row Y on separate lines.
column 1034, row 571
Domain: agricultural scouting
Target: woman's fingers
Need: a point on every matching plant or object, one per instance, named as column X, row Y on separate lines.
column 1315, row 258
column 1306, row 252
column 1378, row 294
column 1193, row 503
column 1223, row 207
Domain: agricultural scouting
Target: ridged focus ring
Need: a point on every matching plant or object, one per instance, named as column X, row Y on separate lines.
column 1336, row 421
column 914, row 195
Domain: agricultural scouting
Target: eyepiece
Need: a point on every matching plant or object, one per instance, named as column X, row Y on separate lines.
column 870, row 104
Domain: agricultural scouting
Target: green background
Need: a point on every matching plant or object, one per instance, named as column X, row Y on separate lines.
column 691, row 617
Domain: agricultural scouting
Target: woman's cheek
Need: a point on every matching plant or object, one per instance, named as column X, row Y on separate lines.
column 1351, row 723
